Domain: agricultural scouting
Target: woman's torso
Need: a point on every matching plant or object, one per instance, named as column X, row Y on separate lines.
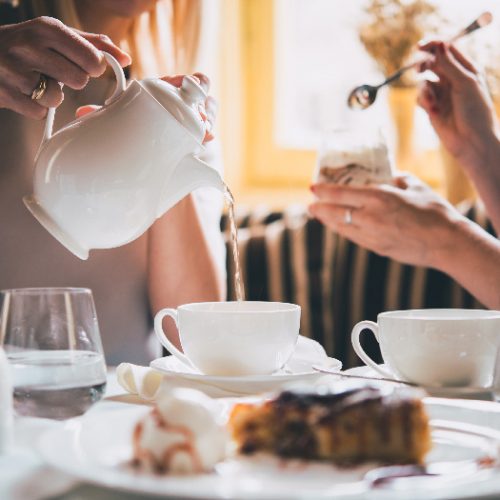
column 31, row 257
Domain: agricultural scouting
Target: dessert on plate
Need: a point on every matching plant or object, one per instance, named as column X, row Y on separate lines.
column 356, row 425
column 183, row 434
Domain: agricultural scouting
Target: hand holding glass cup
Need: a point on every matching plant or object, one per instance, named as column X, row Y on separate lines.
column 51, row 338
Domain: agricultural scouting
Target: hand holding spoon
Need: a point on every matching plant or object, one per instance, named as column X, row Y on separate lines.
column 364, row 96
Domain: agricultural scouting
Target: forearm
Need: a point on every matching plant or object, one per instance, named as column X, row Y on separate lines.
column 485, row 174
column 472, row 257
column 182, row 267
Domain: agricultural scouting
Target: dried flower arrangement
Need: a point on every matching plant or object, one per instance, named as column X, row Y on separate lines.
column 393, row 29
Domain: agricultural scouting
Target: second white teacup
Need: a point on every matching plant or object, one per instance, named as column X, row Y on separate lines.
column 233, row 338
column 435, row 347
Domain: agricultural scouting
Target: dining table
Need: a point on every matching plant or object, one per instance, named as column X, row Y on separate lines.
column 25, row 476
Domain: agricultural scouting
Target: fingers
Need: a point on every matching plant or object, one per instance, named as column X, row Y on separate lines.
column 103, row 42
column 20, row 103
column 407, row 181
column 463, row 60
column 432, row 47
column 211, row 109
column 446, row 65
column 347, row 196
column 175, row 80
column 68, row 43
column 434, row 97
column 426, row 98
column 208, row 109
column 203, row 80
column 53, row 95
column 85, row 110
column 362, row 230
column 335, row 215
column 59, row 68
column 208, row 112
column 46, row 46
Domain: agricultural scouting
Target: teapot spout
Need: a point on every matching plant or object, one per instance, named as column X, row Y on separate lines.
column 190, row 174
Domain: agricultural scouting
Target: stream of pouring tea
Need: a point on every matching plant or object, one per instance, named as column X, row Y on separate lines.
column 238, row 282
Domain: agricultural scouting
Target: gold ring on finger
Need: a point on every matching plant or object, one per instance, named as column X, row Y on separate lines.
column 40, row 89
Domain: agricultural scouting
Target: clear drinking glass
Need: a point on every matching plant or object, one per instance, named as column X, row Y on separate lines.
column 51, row 338
column 354, row 156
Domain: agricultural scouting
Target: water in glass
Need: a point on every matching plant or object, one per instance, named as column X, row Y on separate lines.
column 51, row 338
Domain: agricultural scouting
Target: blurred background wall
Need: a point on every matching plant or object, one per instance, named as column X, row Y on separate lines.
column 282, row 71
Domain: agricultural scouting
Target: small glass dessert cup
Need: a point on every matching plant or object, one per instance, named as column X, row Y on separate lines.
column 355, row 157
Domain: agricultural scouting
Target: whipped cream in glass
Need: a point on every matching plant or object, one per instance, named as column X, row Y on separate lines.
column 354, row 157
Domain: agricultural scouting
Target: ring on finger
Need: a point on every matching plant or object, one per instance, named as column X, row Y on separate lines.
column 40, row 88
column 348, row 216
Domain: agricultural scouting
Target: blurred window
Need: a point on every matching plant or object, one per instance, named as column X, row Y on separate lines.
column 302, row 57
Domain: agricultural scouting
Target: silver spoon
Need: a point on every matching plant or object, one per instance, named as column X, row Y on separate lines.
column 323, row 369
column 364, row 96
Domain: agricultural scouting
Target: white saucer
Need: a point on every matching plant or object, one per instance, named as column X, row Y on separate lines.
column 294, row 370
column 299, row 369
column 483, row 393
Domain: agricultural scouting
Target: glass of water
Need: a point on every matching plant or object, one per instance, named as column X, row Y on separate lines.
column 51, row 338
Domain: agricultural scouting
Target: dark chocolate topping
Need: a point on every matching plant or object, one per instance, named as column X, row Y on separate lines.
column 344, row 398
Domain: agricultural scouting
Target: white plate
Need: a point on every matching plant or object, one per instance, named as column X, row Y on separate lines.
column 97, row 449
column 482, row 393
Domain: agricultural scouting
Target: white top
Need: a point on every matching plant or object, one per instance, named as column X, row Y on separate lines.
column 31, row 257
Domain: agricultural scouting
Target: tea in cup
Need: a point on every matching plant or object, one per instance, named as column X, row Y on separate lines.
column 435, row 347
column 233, row 338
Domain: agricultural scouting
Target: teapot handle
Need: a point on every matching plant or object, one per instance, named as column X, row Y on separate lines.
column 121, row 85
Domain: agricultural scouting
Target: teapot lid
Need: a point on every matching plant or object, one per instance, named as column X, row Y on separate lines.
column 183, row 103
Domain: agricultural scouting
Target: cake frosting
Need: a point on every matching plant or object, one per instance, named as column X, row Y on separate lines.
column 183, row 434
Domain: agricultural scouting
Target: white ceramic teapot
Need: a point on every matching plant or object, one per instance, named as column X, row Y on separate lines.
column 103, row 179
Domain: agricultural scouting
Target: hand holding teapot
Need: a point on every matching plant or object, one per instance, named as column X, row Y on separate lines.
column 208, row 110
column 103, row 179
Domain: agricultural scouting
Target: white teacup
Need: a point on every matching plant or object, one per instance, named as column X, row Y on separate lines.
column 233, row 338
column 435, row 347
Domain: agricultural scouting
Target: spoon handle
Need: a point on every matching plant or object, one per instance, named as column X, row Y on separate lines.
column 483, row 20
column 323, row 369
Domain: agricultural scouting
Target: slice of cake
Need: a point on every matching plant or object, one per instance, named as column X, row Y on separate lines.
column 356, row 425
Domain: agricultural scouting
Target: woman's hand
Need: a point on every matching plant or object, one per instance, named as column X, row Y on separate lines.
column 208, row 110
column 46, row 46
column 407, row 222
column 459, row 105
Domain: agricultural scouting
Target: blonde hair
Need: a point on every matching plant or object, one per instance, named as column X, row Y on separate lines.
column 161, row 41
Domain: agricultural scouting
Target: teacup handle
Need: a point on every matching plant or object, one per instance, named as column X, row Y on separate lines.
column 162, row 337
column 121, row 85
column 356, row 332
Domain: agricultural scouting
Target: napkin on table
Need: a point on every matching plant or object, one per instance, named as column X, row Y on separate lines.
column 148, row 383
